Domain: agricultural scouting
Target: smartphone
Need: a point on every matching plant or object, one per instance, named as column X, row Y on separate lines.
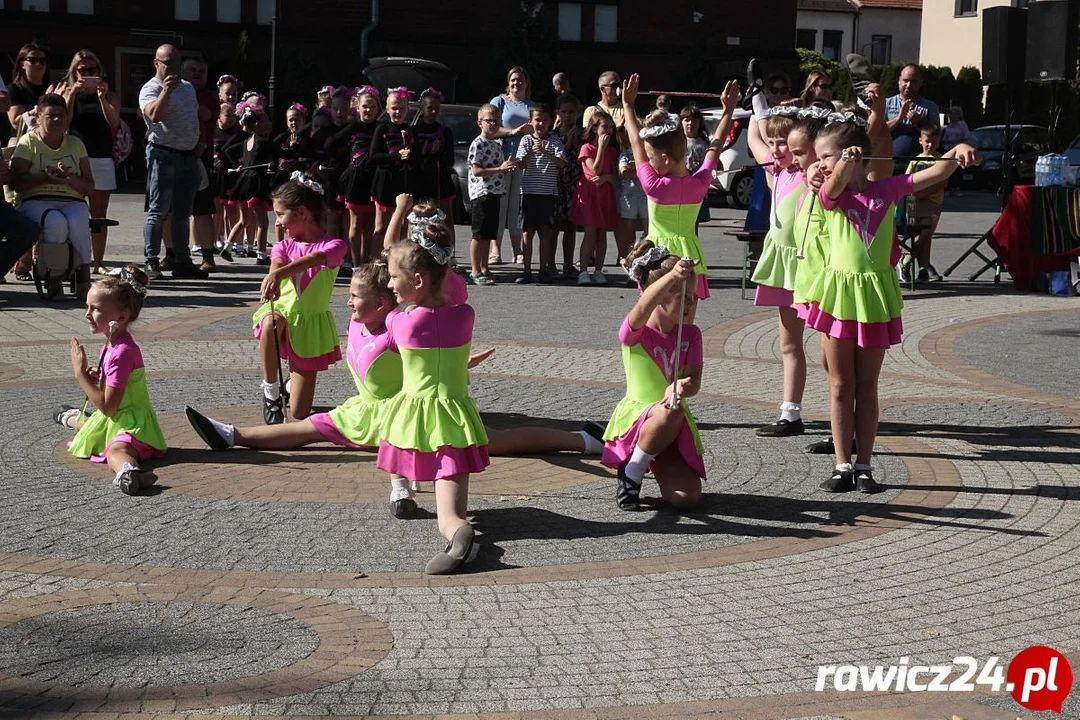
column 91, row 83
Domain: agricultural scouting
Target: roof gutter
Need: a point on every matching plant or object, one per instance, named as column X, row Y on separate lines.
column 368, row 28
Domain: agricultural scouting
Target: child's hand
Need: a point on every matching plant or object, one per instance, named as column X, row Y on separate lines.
column 404, row 201
column 680, row 388
column 78, row 357
column 730, row 97
column 966, row 156
column 683, row 270
column 403, row 153
column 875, row 96
column 602, row 141
column 630, row 90
column 477, row 358
column 852, row 154
column 271, row 287
column 815, row 175
column 508, row 165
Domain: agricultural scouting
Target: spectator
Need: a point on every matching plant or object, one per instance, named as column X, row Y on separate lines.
column 28, row 81
column 5, row 103
column 907, row 110
column 663, row 102
column 818, row 88
column 95, row 118
column 561, row 85
column 171, row 111
column 609, row 99
column 515, row 105
column 51, row 171
column 193, row 70
column 957, row 131
column 17, row 232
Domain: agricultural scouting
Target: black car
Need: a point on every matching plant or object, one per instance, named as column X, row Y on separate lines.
column 1028, row 143
column 461, row 119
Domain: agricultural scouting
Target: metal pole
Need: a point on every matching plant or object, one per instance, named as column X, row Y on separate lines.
column 273, row 62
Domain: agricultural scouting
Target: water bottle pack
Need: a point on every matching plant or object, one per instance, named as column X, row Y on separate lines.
column 1050, row 170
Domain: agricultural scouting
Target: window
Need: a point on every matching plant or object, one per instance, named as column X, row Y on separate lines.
column 80, row 7
column 265, row 11
column 966, row 8
column 806, row 39
column 228, row 11
column 36, row 5
column 185, row 10
column 831, row 42
column 880, row 49
column 570, row 21
column 605, row 23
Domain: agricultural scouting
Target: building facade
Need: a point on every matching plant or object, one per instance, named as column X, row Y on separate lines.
column 828, row 27
column 883, row 31
column 952, row 32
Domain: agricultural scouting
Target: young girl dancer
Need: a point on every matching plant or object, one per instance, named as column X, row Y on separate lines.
column 227, row 214
column 432, row 430
column 594, row 204
column 674, row 194
column 356, row 180
column 855, row 301
column 229, row 89
column 390, row 155
column 775, row 270
column 252, row 190
column 643, row 431
column 124, row 430
column 433, row 160
column 297, row 289
column 293, row 149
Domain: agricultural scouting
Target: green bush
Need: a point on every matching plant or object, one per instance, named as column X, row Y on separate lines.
column 810, row 61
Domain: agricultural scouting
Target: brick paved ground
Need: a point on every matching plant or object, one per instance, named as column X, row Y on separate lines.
column 277, row 584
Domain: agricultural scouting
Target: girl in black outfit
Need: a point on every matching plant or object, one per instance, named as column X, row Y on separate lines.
column 227, row 214
column 253, row 188
column 333, row 160
column 293, row 149
column 356, row 180
column 391, row 157
column 433, row 157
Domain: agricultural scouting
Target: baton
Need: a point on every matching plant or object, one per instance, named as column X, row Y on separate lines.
column 250, row 167
column 755, row 166
column 802, row 246
column 673, row 93
column 101, row 359
column 909, row 158
column 673, row 401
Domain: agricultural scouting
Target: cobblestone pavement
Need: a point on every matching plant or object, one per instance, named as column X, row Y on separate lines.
column 277, row 584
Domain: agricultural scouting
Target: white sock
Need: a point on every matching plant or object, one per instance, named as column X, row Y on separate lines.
column 399, row 489
column 225, row 430
column 790, row 411
column 639, row 463
column 845, row 467
column 123, row 469
column 69, row 418
column 760, row 105
column 272, row 391
column 592, row 445
column 288, row 385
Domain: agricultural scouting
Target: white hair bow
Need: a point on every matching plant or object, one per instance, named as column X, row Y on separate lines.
column 441, row 254
column 663, row 129
column 307, row 181
column 847, row 117
column 640, row 266
column 422, row 221
column 127, row 278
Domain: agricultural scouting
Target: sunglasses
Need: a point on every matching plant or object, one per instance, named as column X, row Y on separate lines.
column 614, row 85
column 780, row 89
column 37, row 60
column 87, row 70
column 823, row 86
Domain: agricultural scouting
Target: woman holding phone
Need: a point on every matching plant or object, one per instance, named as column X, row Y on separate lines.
column 95, row 118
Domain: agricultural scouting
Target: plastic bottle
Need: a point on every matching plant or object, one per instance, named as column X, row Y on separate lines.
column 1041, row 171
column 1059, row 169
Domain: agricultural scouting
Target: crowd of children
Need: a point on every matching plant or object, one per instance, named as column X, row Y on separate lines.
column 827, row 264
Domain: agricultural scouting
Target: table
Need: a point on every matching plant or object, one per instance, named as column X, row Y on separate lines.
column 1038, row 231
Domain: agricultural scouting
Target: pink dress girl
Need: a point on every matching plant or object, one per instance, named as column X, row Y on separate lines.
column 674, row 203
column 594, row 204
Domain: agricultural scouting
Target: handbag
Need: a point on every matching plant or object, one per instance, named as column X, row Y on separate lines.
column 122, row 143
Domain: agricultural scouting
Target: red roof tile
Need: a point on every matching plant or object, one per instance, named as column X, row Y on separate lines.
column 844, row 6
column 892, row 4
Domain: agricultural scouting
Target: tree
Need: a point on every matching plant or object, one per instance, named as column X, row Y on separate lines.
column 529, row 43
column 968, row 95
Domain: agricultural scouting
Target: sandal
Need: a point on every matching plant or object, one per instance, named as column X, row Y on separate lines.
column 482, row 279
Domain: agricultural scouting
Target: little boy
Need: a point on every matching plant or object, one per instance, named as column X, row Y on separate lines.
column 927, row 208
column 541, row 158
column 487, row 185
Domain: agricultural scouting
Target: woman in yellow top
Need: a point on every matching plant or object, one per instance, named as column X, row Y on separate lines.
column 50, row 170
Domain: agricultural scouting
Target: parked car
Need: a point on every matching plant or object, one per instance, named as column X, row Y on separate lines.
column 735, row 186
column 1028, row 143
column 461, row 119
column 1073, row 152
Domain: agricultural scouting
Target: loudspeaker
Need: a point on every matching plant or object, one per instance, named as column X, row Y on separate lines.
column 1051, row 35
column 1004, row 38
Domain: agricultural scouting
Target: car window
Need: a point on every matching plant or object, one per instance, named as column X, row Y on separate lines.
column 462, row 123
column 989, row 139
column 1037, row 138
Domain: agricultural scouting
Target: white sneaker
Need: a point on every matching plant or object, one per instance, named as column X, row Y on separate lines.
column 584, row 278
column 599, row 278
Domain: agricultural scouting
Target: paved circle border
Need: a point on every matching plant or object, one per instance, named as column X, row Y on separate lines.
column 350, row 642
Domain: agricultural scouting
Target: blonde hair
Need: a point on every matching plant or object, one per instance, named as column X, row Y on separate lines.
column 78, row 58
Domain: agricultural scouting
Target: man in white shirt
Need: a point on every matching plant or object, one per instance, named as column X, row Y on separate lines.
column 170, row 109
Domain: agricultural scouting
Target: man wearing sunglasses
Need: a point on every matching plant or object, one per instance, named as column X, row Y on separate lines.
column 171, row 111
column 609, row 83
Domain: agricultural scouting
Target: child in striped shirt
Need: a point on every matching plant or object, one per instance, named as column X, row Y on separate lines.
column 540, row 156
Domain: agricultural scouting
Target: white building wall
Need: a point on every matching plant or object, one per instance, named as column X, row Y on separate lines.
column 902, row 25
column 949, row 41
column 821, row 21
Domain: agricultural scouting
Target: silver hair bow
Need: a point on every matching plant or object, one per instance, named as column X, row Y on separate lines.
column 441, row 254
column 847, row 117
column 663, row 129
column 815, row 111
column 127, row 278
column 784, row 111
column 640, row 266
column 307, row 181
column 422, row 221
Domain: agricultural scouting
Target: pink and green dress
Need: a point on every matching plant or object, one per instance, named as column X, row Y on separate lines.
column 311, row 343
column 376, row 370
column 432, row 429
column 134, row 421
column 674, row 203
column 857, row 294
column 775, row 270
column 648, row 355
